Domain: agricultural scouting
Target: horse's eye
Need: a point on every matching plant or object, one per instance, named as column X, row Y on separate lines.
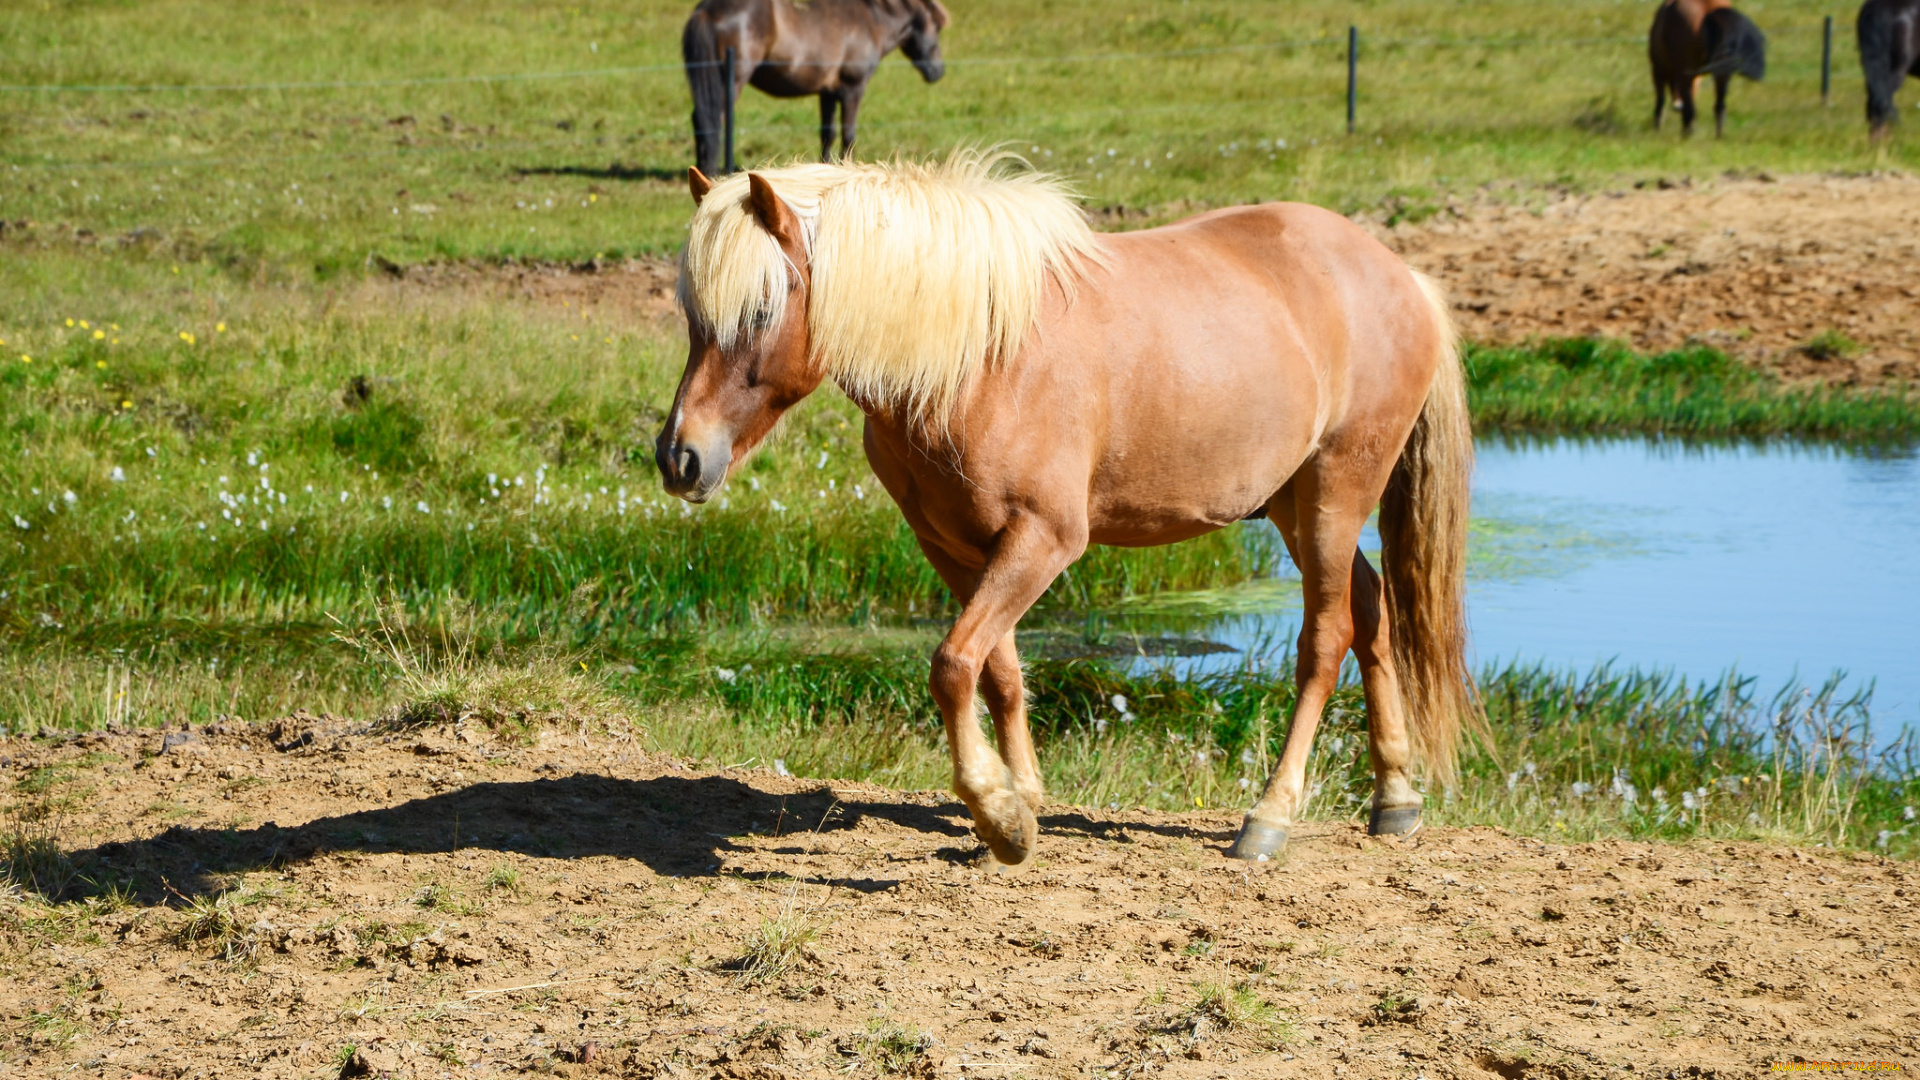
column 762, row 320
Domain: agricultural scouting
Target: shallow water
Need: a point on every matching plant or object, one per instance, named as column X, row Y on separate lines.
column 1781, row 562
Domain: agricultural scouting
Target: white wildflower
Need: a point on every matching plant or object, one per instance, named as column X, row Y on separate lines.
column 117, row 475
column 422, row 507
column 780, row 767
column 1581, row 789
column 725, row 675
column 21, row 522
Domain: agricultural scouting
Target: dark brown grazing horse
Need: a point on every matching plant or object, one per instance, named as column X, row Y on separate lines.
column 827, row 47
column 1889, row 33
column 1692, row 38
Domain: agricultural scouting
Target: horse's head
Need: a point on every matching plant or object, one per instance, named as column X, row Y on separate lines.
column 742, row 372
column 926, row 18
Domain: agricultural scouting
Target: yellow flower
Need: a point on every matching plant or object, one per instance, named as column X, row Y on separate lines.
column 25, row 359
column 116, row 326
column 576, row 337
column 126, row 404
column 219, row 328
column 83, row 324
column 101, row 364
column 593, row 198
column 176, row 269
column 69, row 322
column 186, row 337
column 99, row 334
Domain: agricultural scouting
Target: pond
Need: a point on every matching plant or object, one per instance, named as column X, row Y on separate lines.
column 1782, row 562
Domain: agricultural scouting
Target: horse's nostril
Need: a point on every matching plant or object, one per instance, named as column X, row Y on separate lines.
column 687, row 464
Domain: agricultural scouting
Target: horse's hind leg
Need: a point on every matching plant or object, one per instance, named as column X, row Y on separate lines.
column 1659, row 101
column 1684, row 99
column 1322, row 528
column 1396, row 805
column 1720, row 104
column 850, row 117
column 828, row 103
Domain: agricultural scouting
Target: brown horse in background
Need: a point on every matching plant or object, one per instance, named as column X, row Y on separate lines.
column 1692, row 38
column 826, row 47
column 1032, row 387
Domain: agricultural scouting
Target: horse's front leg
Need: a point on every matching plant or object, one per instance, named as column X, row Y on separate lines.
column 829, row 101
column 1005, row 690
column 849, row 111
column 1002, row 790
column 1720, row 104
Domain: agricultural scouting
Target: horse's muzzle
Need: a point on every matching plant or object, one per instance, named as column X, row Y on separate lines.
column 931, row 70
column 689, row 471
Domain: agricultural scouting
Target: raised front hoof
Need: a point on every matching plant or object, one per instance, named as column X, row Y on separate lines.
column 1402, row 821
column 1258, row 842
column 1011, row 851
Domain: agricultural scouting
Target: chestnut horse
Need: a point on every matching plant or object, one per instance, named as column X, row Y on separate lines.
column 1032, row 387
column 826, row 47
column 1889, row 33
column 1695, row 38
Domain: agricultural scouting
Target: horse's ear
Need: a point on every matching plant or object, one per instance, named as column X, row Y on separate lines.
column 698, row 183
column 940, row 16
column 773, row 213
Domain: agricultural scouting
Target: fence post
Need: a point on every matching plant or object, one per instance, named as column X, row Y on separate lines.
column 1826, row 62
column 1353, row 72
column 727, row 72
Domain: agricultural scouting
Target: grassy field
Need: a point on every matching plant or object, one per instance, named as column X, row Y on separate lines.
column 235, row 449
column 339, row 133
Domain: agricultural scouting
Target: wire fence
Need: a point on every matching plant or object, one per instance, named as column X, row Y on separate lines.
column 642, row 69
column 1351, row 46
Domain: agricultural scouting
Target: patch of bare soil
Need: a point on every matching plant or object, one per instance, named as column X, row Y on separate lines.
column 451, row 904
column 1756, row 266
column 632, row 291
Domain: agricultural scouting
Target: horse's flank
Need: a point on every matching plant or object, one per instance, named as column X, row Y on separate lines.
column 968, row 246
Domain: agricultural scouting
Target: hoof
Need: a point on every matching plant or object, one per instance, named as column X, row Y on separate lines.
column 1403, row 821
column 1013, row 850
column 1257, row 842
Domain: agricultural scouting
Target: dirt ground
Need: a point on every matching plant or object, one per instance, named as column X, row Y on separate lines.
column 1757, row 266
column 1754, row 265
column 454, row 904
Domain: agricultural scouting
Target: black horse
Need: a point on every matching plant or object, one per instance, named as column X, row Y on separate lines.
column 826, row 47
column 1692, row 38
column 1889, row 51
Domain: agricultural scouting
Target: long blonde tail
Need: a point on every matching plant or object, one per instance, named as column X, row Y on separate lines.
column 1423, row 533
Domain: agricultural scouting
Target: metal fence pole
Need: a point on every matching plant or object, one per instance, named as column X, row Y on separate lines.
column 1826, row 62
column 728, row 73
column 1353, row 72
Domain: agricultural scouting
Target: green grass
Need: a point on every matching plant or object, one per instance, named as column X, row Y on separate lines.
column 1592, row 388
column 1145, row 104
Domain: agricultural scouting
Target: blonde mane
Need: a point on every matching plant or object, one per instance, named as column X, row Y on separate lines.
column 922, row 273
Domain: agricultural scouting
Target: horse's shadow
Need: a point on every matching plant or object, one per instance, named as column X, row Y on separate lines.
column 678, row 826
column 615, row 171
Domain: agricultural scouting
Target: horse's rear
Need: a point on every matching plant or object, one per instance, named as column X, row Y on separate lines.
column 1327, row 375
column 1694, row 39
column 1889, row 36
